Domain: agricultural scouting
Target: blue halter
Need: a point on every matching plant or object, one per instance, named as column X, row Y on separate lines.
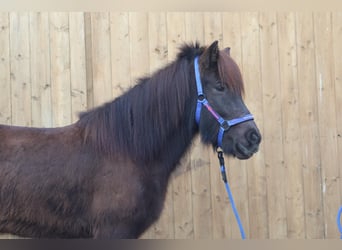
column 225, row 125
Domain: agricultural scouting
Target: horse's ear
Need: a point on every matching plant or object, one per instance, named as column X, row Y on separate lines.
column 227, row 50
column 210, row 56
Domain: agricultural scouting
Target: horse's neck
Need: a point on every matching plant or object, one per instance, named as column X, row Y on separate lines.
column 154, row 122
column 178, row 138
column 174, row 150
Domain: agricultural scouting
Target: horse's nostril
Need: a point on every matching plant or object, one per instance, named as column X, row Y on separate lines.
column 254, row 137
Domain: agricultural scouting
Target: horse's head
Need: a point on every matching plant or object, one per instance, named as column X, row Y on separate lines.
column 224, row 120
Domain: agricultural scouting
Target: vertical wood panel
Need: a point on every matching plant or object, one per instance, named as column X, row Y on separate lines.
column 5, row 98
column 120, row 51
column 337, row 48
column 60, row 68
column 274, row 161
column 200, row 172
column 158, row 57
column 78, row 64
column 257, row 192
column 20, row 69
column 40, row 70
column 291, row 125
column 89, row 59
column 181, row 181
column 327, row 121
column 138, row 28
column 101, row 58
column 311, row 163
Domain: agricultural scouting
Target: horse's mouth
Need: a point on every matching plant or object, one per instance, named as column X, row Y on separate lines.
column 243, row 153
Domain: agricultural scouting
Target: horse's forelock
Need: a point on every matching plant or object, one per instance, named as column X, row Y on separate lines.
column 230, row 73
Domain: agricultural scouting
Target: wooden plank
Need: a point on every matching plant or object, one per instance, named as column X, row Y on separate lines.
column 308, row 118
column 237, row 172
column 257, row 191
column 60, row 68
column 101, row 58
column 89, row 59
column 327, row 121
column 157, row 30
column 274, row 161
column 158, row 57
column 200, row 167
column 290, row 125
column 120, row 49
column 40, row 70
column 20, row 69
column 181, row 183
column 222, row 225
column 139, row 52
column 5, row 86
column 78, row 64
column 337, row 47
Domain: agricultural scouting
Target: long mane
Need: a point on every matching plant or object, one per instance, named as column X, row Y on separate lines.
column 138, row 122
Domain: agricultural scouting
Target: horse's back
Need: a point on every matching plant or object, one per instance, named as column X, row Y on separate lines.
column 40, row 175
column 26, row 146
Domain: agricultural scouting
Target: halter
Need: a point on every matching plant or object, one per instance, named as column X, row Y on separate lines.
column 225, row 125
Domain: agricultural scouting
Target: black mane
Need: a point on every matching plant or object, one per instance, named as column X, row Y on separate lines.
column 138, row 123
column 190, row 51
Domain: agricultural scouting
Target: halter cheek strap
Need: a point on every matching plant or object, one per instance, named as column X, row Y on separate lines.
column 225, row 125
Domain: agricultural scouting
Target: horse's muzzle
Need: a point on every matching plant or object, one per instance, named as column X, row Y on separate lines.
column 253, row 139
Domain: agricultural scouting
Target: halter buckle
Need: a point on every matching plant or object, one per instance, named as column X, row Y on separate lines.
column 201, row 98
column 225, row 125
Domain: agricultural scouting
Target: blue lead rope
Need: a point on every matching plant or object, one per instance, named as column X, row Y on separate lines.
column 338, row 220
column 230, row 196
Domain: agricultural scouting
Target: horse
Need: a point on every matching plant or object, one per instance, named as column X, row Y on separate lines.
column 106, row 175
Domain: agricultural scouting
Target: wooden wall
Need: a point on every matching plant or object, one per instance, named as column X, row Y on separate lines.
column 53, row 65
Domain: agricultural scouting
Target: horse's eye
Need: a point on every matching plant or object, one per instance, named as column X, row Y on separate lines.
column 219, row 86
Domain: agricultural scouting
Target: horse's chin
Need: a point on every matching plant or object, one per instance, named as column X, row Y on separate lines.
column 243, row 157
column 239, row 151
column 243, row 153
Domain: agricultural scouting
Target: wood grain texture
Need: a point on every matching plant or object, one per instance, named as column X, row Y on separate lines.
column 120, row 52
column 20, row 69
column 337, row 48
column 40, row 70
column 327, row 121
column 60, row 68
column 311, row 160
column 101, row 59
column 291, row 124
column 78, row 64
column 5, row 100
column 273, row 141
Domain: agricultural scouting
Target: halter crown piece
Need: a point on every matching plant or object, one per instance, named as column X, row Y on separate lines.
column 225, row 125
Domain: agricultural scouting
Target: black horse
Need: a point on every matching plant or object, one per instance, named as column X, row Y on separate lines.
column 106, row 175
